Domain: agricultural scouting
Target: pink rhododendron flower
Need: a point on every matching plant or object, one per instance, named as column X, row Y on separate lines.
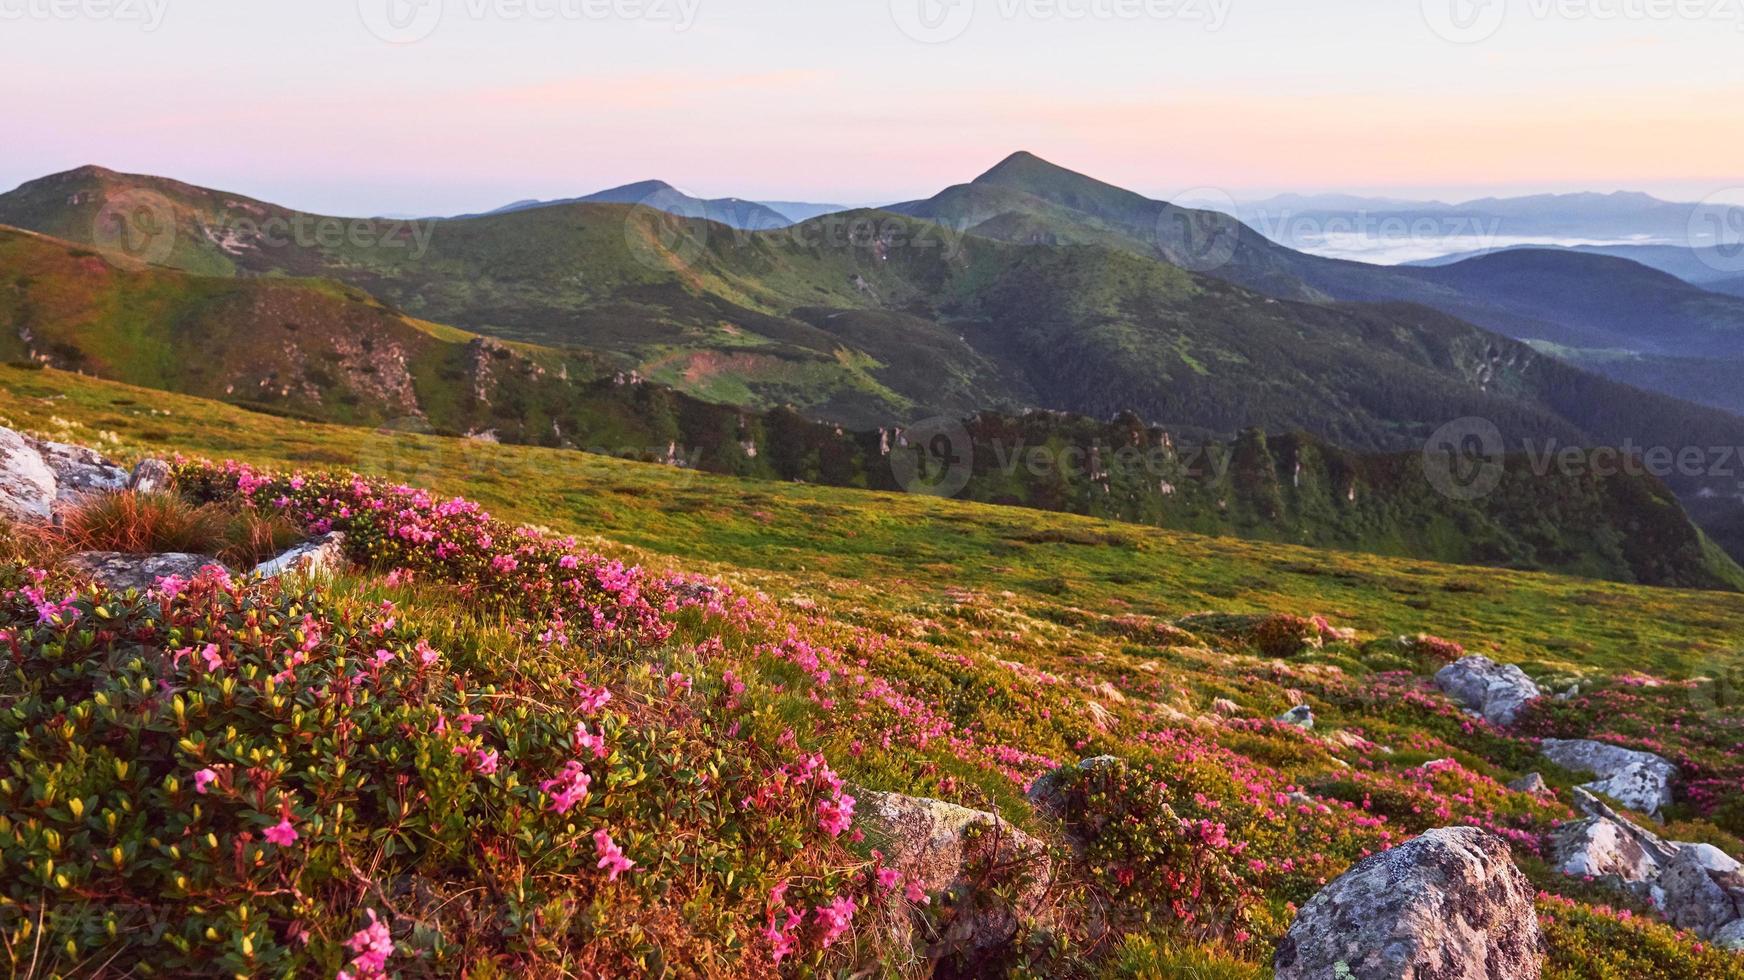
column 611, row 857
column 372, row 944
column 203, row 779
column 281, row 833
column 835, row 918
column 568, row 788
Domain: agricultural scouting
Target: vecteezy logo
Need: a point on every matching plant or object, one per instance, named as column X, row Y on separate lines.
column 1202, row 238
column 1716, row 231
column 1465, row 21
column 1463, row 459
column 934, row 457
column 933, row 21
column 400, row 21
column 138, row 223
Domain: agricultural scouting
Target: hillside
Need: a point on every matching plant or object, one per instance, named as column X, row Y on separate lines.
column 873, row 319
column 309, row 348
column 680, row 762
column 1573, row 299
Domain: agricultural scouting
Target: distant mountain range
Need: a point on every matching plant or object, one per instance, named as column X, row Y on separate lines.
column 657, row 194
column 1605, row 217
column 1032, row 287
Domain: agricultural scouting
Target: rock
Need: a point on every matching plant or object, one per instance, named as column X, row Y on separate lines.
column 1601, row 848
column 80, row 472
column 27, row 485
column 1692, row 898
column 119, row 572
column 1638, row 780
column 1484, row 687
column 316, row 558
column 1301, row 716
column 1530, row 783
column 150, row 476
column 1710, row 857
column 936, row 844
column 1448, row 905
column 1730, row 936
column 1044, row 793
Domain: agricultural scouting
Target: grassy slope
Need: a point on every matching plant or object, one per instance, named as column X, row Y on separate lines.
column 828, row 542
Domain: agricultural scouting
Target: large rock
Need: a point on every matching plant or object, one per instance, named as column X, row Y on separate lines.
column 1695, row 898
column 1449, row 905
column 80, row 472
column 1638, row 780
column 1301, row 716
column 316, row 558
column 1532, row 783
column 940, row 846
column 119, row 572
column 27, row 484
column 1495, row 691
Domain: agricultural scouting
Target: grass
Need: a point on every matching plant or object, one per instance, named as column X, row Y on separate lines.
column 827, row 543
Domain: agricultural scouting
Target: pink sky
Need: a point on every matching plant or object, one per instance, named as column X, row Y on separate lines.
column 303, row 104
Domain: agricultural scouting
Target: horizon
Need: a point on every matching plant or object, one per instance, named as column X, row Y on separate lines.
column 484, row 102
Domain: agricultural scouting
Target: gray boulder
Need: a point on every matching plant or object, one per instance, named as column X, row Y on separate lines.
column 80, row 472
column 27, row 484
column 1448, row 905
column 316, row 558
column 941, row 846
column 1638, row 780
column 1495, row 691
column 1530, row 783
column 118, row 572
column 150, row 476
column 1302, row 716
column 1695, row 898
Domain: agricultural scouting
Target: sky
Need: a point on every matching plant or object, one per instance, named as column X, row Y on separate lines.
column 448, row 106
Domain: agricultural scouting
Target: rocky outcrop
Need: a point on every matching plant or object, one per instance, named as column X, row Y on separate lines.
column 316, row 558
column 1495, row 691
column 1697, row 886
column 1638, row 780
column 27, row 485
column 38, row 478
column 80, row 472
column 940, row 847
column 1302, row 716
column 1448, row 905
column 119, row 572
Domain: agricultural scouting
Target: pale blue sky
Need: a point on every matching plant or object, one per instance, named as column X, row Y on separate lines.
column 299, row 102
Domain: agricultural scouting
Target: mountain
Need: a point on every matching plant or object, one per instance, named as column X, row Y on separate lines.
column 313, row 349
column 872, row 319
column 1705, row 267
column 661, row 196
column 798, row 211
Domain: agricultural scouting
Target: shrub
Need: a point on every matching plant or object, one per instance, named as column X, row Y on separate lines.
column 143, row 523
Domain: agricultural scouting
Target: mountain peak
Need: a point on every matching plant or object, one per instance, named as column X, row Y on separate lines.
column 1020, row 166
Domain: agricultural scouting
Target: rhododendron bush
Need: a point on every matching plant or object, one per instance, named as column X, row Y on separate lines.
column 489, row 748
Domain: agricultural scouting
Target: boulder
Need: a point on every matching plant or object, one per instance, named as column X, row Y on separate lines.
column 1601, row 848
column 1530, row 783
column 1710, row 857
column 1694, row 898
column 27, row 485
column 1448, row 905
column 939, row 845
column 80, row 472
column 1730, row 936
column 1495, row 691
column 150, row 476
column 316, row 558
column 1301, row 716
column 118, row 572
column 1638, row 780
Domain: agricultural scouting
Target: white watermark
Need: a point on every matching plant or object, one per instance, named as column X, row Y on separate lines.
column 320, row 232
column 938, row 21
column 1474, row 21
column 410, row 21
column 149, row 14
column 1467, row 458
